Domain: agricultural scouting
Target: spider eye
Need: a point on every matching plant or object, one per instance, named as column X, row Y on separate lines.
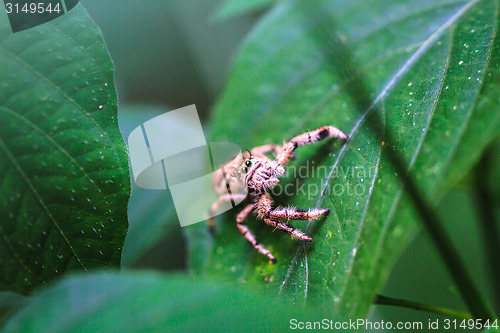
column 248, row 163
column 244, row 169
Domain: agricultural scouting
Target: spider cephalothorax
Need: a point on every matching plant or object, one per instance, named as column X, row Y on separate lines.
column 257, row 173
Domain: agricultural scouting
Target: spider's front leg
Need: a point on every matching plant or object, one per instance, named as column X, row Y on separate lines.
column 308, row 138
column 287, row 213
column 273, row 217
column 240, row 219
column 288, row 229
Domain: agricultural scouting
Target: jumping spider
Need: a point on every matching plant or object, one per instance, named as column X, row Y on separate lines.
column 259, row 174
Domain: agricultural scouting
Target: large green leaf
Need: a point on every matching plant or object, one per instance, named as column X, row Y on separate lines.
column 150, row 302
column 63, row 164
column 433, row 70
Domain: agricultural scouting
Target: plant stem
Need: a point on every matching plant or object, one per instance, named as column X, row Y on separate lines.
column 484, row 204
column 383, row 300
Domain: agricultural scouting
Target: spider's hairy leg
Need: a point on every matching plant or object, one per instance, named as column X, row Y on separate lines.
column 265, row 210
column 288, row 229
column 216, row 205
column 264, row 206
column 308, row 138
column 240, row 219
column 289, row 213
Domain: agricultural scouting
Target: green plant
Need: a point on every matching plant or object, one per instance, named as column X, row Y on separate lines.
column 63, row 163
column 415, row 84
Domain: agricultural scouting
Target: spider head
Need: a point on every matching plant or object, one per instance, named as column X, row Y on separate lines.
column 260, row 172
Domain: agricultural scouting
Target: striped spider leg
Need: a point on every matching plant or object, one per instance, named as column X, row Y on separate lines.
column 259, row 174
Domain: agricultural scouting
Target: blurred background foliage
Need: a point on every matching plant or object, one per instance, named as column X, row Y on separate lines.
column 169, row 54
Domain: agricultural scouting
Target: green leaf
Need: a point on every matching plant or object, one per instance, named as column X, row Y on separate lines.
column 231, row 8
column 140, row 302
column 63, row 163
column 433, row 71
